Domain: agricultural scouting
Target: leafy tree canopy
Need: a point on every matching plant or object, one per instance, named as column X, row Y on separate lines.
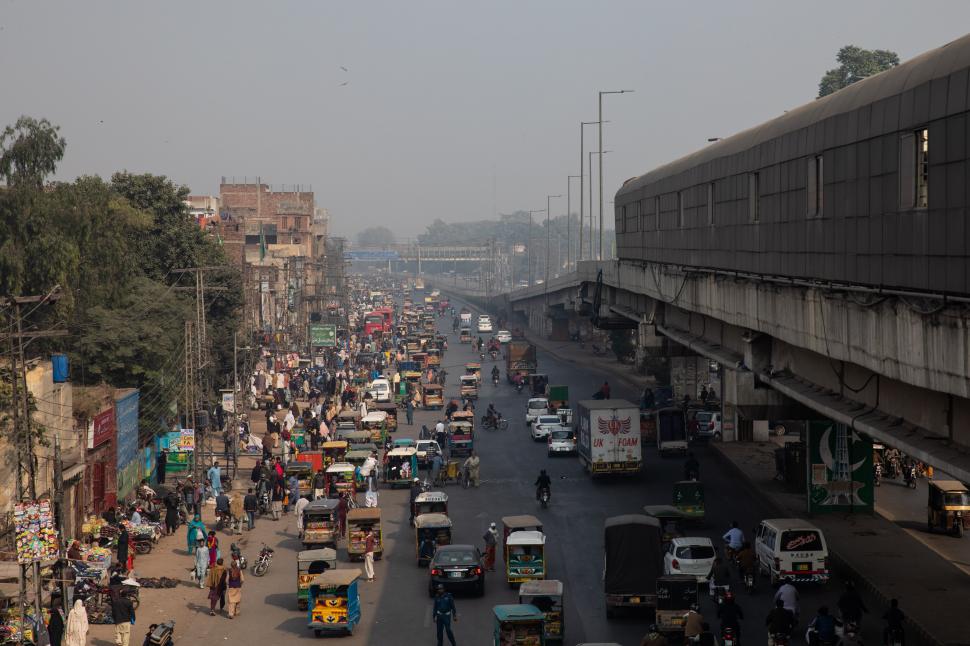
column 375, row 237
column 29, row 152
column 855, row 64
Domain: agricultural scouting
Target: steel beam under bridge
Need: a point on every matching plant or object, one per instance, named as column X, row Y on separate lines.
column 414, row 253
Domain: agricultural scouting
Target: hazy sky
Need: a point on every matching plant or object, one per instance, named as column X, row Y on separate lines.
column 452, row 110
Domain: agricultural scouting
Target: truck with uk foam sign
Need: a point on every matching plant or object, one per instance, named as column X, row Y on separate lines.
column 608, row 437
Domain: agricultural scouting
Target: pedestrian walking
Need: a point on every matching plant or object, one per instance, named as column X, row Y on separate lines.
column 161, row 463
column 201, row 563
column 436, row 463
column 294, row 493
column 277, row 497
column 491, row 540
column 212, row 544
column 409, row 411
column 369, row 544
column 249, row 506
column 444, row 613
column 234, row 583
column 55, row 626
column 216, row 582
column 214, row 475
column 123, row 616
column 342, row 506
column 123, row 549
column 195, row 533
column 298, row 508
column 171, row 513
column 236, row 513
column 76, row 630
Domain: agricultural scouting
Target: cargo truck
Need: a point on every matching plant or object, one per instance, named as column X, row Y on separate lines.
column 634, row 561
column 608, row 436
column 520, row 358
column 671, row 431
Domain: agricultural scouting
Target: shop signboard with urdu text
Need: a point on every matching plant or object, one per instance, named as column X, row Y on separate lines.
column 839, row 469
column 104, row 427
column 126, row 425
column 323, row 335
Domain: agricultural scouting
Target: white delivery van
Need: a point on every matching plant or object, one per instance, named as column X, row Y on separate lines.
column 791, row 548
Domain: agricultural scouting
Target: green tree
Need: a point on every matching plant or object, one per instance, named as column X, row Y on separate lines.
column 855, row 64
column 375, row 237
column 29, row 151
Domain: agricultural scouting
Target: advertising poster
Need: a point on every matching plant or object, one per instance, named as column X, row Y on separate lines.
column 104, row 427
column 323, row 335
column 228, row 401
column 839, row 469
column 126, row 427
column 36, row 536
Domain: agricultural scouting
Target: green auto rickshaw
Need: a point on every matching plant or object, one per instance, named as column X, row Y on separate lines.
column 689, row 499
column 519, row 624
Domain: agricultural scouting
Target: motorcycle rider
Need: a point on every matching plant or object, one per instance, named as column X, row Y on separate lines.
column 780, row 621
column 788, row 595
column 693, row 623
column 491, row 416
column 543, row 482
column 730, row 614
column 495, row 373
column 894, row 618
column 734, row 538
column 851, row 605
column 746, row 560
column 720, row 577
column 653, row 637
column 692, row 468
column 822, row 628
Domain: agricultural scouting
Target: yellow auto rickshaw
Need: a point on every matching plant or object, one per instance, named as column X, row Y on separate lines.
column 475, row 369
column 432, row 397
column 310, row 563
column 948, row 507
column 333, row 451
column 431, row 531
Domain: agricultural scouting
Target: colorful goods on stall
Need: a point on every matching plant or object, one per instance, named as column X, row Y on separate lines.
column 36, row 536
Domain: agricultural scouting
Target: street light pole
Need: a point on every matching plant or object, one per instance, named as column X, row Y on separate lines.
column 582, row 160
column 569, row 217
column 529, row 256
column 548, row 234
column 591, row 153
column 600, row 117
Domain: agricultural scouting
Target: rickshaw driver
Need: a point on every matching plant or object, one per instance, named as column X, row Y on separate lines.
column 543, row 482
column 495, row 373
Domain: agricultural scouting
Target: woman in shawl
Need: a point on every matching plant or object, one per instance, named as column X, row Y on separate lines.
column 216, row 582
column 55, row 627
column 213, row 544
column 201, row 562
column 76, row 630
column 234, row 588
column 123, row 548
column 194, row 533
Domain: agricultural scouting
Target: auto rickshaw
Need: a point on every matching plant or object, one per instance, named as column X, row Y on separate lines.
column 320, row 524
column 333, row 451
column 525, row 556
column 401, row 329
column 475, row 369
column 333, row 604
column 418, row 357
column 432, row 397
column 357, row 458
column 948, row 508
column 468, row 386
column 433, row 358
column 390, row 409
column 464, row 416
column 517, row 624
column 689, row 499
column 460, row 440
column 412, row 344
column 524, row 522
column 547, row 597
column 359, row 441
column 348, row 419
column 401, row 467
column 430, row 502
column 358, row 522
column 435, row 528
column 375, row 423
column 465, row 336
column 671, row 520
column 404, row 442
column 310, row 563
column 676, row 593
column 341, row 479
column 304, row 474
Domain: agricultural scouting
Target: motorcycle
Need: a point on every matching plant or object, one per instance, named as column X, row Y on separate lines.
column 909, row 476
column 481, row 356
column 748, row 578
column 544, row 495
column 877, row 475
column 142, row 544
column 719, row 592
column 493, row 354
column 237, row 555
column 495, row 380
column 498, row 423
column 160, row 634
column 728, row 637
column 780, row 639
column 263, row 560
column 518, row 388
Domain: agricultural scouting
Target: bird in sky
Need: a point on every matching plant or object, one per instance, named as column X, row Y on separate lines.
column 344, row 68
column 344, row 83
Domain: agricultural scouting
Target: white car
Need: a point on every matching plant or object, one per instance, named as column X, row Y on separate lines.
column 534, row 408
column 503, row 336
column 484, row 324
column 561, row 440
column 708, row 425
column 380, row 390
column 544, row 425
column 426, row 450
column 692, row 555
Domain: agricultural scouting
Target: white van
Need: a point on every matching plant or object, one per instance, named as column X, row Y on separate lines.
column 791, row 548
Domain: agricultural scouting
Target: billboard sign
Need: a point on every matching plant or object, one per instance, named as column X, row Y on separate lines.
column 228, row 401
column 104, row 427
column 323, row 335
column 839, row 469
column 126, row 427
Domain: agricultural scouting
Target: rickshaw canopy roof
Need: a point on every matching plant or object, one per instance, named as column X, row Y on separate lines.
column 334, row 444
column 332, row 578
column 517, row 612
column 432, row 520
column 631, row 519
column 323, row 554
column 462, row 415
column 293, row 467
column 549, row 587
column 403, row 451
column 474, row 365
column 431, row 386
column 348, row 414
column 404, row 442
column 524, row 520
column 364, row 513
column 947, row 485
column 663, row 511
column 460, row 424
column 431, row 496
column 527, row 537
column 468, row 379
column 374, row 417
column 340, row 467
column 355, row 435
column 357, row 454
column 323, row 504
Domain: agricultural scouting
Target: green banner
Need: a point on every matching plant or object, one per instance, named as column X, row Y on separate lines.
column 839, row 469
column 323, row 335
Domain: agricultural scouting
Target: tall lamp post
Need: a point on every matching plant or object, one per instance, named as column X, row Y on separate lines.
column 569, row 217
column 600, row 117
column 530, row 242
column 591, row 153
column 582, row 160
column 548, row 233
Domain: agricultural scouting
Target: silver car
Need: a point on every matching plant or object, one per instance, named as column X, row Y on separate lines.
column 561, row 441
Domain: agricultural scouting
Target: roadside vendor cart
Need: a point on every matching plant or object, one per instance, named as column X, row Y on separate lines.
column 547, row 597
column 320, row 524
column 518, row 625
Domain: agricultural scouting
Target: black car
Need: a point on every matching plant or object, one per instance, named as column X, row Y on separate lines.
column 457, row 567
